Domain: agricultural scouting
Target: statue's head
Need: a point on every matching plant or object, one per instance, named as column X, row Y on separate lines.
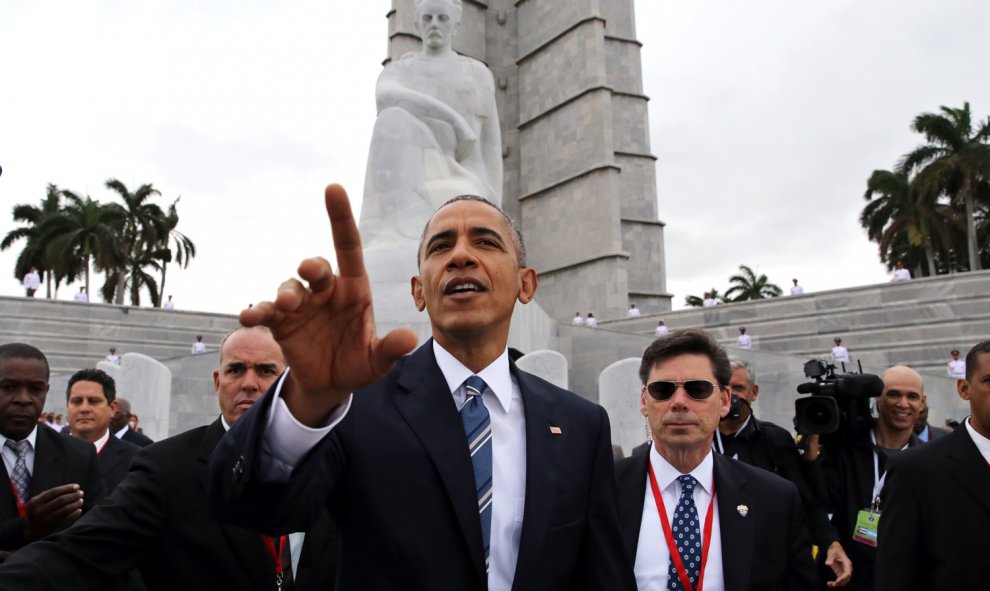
column 437, row 21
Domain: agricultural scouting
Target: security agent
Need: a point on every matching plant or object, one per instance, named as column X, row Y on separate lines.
column 741, row 436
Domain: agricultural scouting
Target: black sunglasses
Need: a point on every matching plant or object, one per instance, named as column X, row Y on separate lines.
column 696, row 389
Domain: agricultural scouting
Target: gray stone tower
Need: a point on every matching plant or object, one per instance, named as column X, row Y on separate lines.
column 578, row 173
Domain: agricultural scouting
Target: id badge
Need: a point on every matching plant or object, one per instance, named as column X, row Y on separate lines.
column 867, row 522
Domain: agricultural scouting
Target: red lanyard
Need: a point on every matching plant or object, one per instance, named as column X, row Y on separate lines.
column 21, row 511
column 104, row 446
column 276, row 556
column 675, row 556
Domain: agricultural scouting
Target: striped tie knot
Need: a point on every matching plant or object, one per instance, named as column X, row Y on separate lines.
column 475, row 386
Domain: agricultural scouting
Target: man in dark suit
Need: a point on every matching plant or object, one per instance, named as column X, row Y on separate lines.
column 122, row 430
column 512, row 491
column 59, row 475
column 935, row 525
column 754, row 535
column 91, row 401
column 158, row 519
column 925, row 432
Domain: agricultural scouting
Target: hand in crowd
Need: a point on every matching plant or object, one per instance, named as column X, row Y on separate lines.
column 52, row 510
column 327, row 329
column 836, row 559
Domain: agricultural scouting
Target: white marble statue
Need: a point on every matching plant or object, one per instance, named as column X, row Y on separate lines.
column 436, row 137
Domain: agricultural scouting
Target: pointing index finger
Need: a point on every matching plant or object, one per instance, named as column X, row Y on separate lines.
column 346, row 239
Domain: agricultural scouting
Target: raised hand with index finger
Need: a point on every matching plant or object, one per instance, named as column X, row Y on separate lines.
column 327, row 328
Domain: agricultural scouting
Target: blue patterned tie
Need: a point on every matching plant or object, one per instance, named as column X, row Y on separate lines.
column 687, row 535
column 478, row 428
column 20, row 476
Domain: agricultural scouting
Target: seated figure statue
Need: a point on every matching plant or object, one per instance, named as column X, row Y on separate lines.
column 436, row 136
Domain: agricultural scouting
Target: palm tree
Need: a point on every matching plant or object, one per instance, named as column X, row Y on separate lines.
column 748, row 286
column 85, row 232
column 143, row 225
column 955, row 161
column 33, row 254
column 902, row 209
column 185, row 250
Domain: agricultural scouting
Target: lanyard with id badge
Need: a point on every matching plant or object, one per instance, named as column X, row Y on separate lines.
column 868, row 519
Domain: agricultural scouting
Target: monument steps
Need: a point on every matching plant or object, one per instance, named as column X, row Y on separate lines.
column 914, row 323
column 75, row 335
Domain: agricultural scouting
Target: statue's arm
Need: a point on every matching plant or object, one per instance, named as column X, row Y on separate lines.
column 491, row 136
column 391, row 92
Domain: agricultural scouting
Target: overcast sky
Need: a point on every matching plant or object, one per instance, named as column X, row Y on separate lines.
column 767, row 117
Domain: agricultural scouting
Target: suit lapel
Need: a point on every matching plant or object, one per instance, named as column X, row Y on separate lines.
column 8, row 507
column 49, row 465
column 632, row 495
column 736, row 531
column 967, row 466
column 110, row 457
column 425, row 404
column 545, row 452
column 246, row 546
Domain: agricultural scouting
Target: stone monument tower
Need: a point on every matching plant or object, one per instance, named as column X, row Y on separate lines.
column 578, row 173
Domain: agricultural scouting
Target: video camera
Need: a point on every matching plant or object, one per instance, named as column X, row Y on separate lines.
column 837, row 401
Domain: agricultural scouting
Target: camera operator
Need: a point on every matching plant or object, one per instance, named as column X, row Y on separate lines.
column 847, row 469
column 742, row 436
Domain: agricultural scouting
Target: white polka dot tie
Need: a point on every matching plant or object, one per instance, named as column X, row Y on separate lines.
column 687, row 536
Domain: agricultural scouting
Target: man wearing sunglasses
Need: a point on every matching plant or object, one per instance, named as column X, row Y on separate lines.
column 690, row 514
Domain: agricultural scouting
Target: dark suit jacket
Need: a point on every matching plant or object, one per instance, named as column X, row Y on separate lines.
column 138, row 439
column 767, row 549
column 58, row 460
column 397, row 473
column 115, row 461
column 935, row 520
column 158, row 521
column 843, row 477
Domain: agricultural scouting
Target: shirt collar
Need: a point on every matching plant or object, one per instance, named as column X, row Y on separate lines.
column 120, row 434
column 667, row 474
column 32, row 438
column 982, row 443
column 226, row 427
column 496, row 375
column 99, row 443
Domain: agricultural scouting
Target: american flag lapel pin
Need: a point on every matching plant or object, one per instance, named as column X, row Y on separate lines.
column 555, row 430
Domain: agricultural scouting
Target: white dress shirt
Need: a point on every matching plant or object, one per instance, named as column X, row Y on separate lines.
column 99, row 443
column 982, row 443
column 797, row 290
column 652, row 555
column 957, row 369
column 744, row 342
column 10, row 456
column 840, row 353
column 662, row 330
column 286, row 441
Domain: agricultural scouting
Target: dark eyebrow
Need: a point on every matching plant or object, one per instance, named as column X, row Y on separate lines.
column 444, row 235
column 485, row 231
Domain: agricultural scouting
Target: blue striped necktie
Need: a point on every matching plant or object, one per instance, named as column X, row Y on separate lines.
column 478, row 428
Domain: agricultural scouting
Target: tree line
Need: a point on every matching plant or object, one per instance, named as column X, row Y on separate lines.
column 132, row 241
column 931, row 210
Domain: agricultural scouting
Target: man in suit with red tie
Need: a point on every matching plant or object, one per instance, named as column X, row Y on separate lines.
column 694, row 518
column 934, row 526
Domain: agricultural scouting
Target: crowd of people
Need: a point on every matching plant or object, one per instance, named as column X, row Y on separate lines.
column 372, row 466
